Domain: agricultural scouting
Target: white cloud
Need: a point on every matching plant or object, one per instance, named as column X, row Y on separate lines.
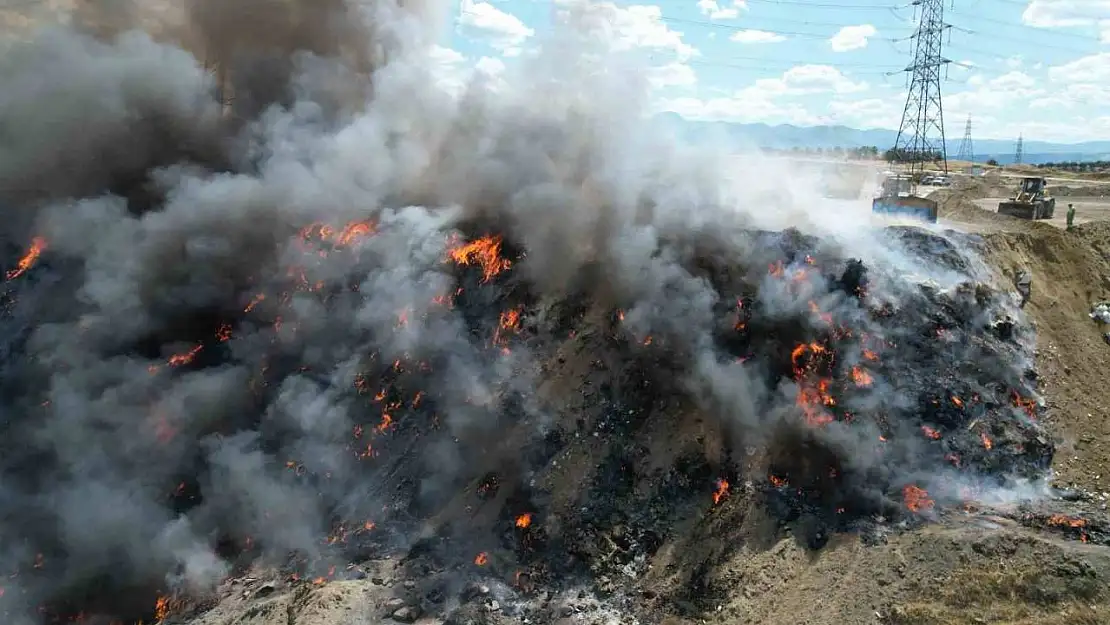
column 490, row 66
column 1069, row 13
column 624, row 28
column 772, row 99
column 502, row 30
column 671, row 75
column 714, row 11
column 1087, row 69
column 852, row 37
column 810, row 79
column 1063, row 13
column 756, row 36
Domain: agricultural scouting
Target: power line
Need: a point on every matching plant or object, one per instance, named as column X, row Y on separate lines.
column 924, row 111
column 966, row 152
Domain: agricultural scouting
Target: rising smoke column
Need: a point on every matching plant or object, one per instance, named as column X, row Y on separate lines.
column 273, row 331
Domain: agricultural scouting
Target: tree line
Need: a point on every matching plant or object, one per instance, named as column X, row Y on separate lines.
column 1077, row 166
column 857, row 153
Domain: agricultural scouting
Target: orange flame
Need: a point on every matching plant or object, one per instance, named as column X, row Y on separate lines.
column 1066, row 521
column 811, row 397
column 721, row 492
column 165, row 606
column 959, row 402
column 223, row 333
column 509, row 322
column 486, row 252
column 524, row 520
column 255, row 301
column 860, row 376
column 481, row 559
column 387, row 420
column 987, row 443
column 930, row 432
column 186, row 357
column 777, row 482
column 916, row 499
column 1028, row 405
column 38, row 244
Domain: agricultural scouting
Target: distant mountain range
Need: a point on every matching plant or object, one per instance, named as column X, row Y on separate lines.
column 786, row 136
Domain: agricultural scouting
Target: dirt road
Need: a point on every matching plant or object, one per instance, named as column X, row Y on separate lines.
column 1087, row 209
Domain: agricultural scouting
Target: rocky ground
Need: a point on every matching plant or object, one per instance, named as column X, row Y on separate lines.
column 1007, row 563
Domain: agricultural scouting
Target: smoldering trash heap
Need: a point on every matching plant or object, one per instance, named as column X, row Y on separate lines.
column 355, row 309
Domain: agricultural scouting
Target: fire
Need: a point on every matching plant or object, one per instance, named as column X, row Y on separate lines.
column 355, row 231
column 959, row 402
column 350, row 233
column 1028, row 405
column 860, row 376
column 524, row 520
column 223, row 333
column 777, row 482
column 387, row 421
column 1061, row 520
column 823, row 316
column 776, row 269
column 255, row 301
column 185, row 358
column 930, row 432
column 486, row 252
column 165, row 606
column 812, row 397
column 481, row 559
column 916, row 499
column 986, row 440
column 508, row 323
column 721, row 492
column 38, row 244
column 870, row 355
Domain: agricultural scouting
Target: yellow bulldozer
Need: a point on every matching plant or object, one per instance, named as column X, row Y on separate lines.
column 1031, row 202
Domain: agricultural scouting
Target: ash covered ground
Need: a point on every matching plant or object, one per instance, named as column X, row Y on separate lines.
column 499, row 332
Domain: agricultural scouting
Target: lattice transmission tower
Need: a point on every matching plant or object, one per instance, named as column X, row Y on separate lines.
column 1019, row 153
column 921, row 134
column 967, row 150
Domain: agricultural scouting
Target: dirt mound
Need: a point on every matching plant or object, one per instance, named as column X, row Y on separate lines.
column 1080, row 190
column 1071, row 271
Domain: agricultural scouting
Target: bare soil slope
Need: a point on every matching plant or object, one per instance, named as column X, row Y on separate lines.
column 1071, row 271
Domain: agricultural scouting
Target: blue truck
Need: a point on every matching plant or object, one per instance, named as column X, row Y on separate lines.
column 897, row 198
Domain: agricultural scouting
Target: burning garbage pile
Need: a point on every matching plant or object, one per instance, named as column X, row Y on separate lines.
column 241, row 427
column 337, row 339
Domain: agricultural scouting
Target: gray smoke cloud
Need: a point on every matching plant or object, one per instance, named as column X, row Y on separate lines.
column 166, row 216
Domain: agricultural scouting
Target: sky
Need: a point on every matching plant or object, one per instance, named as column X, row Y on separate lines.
column 1039, row 68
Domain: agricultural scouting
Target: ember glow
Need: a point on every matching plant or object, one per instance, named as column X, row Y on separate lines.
column 524, row 520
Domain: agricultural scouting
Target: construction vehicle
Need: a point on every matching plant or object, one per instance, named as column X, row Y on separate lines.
column 897, row 197
column 1031, row 202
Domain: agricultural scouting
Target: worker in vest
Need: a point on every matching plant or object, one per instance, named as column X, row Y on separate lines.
column 1024, row 281
column 1071, row 215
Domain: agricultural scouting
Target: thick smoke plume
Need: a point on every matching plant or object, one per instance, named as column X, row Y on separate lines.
column 301, row 318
